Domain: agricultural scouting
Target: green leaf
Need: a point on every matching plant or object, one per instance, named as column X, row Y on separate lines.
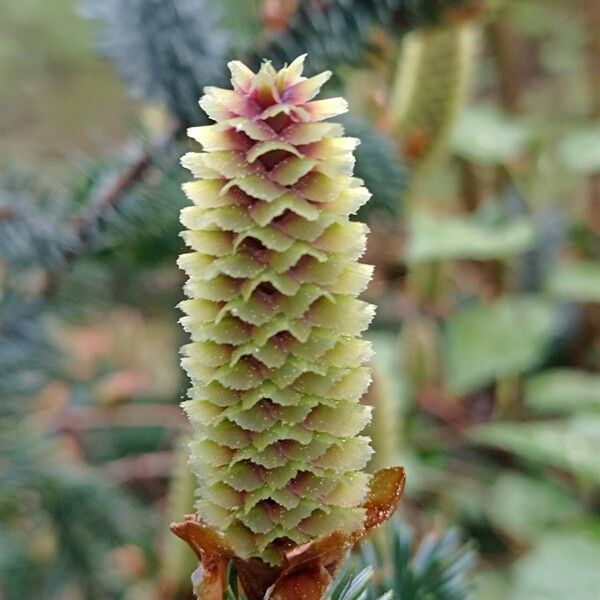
column 434, row 237
column 562, row 565
column 491, row 584
column 579, row 281
column 579, row 150
column 570, row 444
column 486, row 341
column 563, row 390
column 484, row 135
column 524, row 507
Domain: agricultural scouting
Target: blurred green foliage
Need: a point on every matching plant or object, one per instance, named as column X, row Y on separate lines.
column 487, row 279
column 57, row 97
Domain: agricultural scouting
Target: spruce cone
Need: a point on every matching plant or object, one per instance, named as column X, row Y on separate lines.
column 276, row 362
column 432, row 84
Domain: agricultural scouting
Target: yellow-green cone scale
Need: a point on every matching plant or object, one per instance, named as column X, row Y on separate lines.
column 276, row 360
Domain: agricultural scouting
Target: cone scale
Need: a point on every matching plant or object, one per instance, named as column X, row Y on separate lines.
column 276, row 361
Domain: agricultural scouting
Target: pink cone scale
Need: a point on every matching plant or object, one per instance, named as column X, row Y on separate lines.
column 276, row 360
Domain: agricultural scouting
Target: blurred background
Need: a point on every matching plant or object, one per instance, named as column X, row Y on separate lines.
column 480, row 128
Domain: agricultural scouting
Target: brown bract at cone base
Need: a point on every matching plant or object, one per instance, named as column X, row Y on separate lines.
column 306, row 570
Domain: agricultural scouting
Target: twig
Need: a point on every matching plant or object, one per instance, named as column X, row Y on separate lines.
column 507, row 51
column 106, row 200
column 152, row 465
column 7, row 214
column 135, row 415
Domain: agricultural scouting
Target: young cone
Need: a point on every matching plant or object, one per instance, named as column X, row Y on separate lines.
column 276, row 361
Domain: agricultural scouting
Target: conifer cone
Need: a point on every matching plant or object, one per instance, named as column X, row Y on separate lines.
column 276, row 361
column 434, row 74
